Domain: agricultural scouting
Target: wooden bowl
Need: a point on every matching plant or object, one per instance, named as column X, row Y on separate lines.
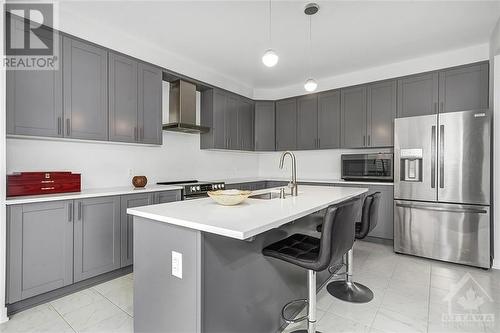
column 229, row 197
column 139, row 181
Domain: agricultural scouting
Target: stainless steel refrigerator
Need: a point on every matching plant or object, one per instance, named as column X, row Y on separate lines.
column 442, row 187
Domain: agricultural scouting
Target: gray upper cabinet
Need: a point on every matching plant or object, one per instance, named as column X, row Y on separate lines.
column 127, row 225
column 381, row 108
column 150, row 104
column 96, row 236
column 353, row 112
column 231, row 122
column 123, row 98
column 307, row 122
column 34, row 100
column 264, row 126
column 286, row 124
column 464, row 88
column 417, row 95
column 329, row 119
column 85, row 70
column 213, row 109
column 245, row 124
column 40, row 248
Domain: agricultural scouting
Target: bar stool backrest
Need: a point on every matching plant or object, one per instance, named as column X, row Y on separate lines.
column 369, row 217
column 337, row 236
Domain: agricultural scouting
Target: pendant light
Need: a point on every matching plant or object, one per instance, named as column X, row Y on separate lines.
column 270, row 57
column 310, row 85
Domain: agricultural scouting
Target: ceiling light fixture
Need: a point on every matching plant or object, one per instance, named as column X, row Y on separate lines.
column 311, row 8
column 270, row 57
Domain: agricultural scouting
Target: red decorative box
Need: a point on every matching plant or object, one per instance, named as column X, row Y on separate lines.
column 31, row 183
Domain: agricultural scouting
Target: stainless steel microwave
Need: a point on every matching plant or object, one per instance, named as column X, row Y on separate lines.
column 368, row 167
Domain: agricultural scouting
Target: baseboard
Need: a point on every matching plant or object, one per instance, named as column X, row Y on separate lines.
column 3, row 315
column 496, row 264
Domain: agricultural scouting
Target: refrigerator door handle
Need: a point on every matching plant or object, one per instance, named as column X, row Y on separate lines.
column 442, row 209
column 441, row 156
column 433, row 157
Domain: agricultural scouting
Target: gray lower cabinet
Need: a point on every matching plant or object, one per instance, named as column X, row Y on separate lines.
column 97, row 236
column 123, row 98
column 381, row 111
column 85, row 71
column 353, row 113
column 307, row 122
column 329, row 128
column 418, row 95
column 166, row 196
column 286, row 124
column 265, row 139
column 150, row 104
column 127, row 225
column 464, row 88
column 385, row 225
column 34, row 100
column 40, row 248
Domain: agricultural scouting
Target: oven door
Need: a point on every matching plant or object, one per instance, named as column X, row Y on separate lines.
column 195, row 196
column 367, row 167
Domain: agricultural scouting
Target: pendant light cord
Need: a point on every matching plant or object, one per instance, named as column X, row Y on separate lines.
column 270, row 15
column 310, row 46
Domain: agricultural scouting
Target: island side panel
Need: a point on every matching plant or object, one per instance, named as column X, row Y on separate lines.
column 243, row 291
column 163, row 302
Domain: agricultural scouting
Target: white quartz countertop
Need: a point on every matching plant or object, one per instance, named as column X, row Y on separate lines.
column 90, row 193
column 301, row 180
column 250, row 218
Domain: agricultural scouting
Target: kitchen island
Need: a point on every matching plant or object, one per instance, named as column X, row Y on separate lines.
column 198, row 266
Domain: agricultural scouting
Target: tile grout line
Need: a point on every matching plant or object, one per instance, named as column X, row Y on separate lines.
column 429, row 299
column 97, row 291
column 62, row 317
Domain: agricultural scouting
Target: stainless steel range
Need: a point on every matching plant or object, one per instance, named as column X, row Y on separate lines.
column 194, row 189
column 442, row 187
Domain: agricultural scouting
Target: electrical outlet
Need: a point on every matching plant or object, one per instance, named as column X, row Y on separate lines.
column 177, row 264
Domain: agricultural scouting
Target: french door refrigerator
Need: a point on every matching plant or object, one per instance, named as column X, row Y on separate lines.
column 442, row 187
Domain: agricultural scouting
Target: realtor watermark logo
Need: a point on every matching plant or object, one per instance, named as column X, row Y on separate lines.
column 469, row 305
column 30, row 42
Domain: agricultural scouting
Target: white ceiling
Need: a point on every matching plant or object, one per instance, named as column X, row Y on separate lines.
column 230, row 36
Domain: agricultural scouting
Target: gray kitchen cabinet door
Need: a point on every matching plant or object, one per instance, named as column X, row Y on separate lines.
column 34, row 99
column 123, row 98
column 418, row 95
column 245, row 124
column 353, row 113
column 307, row 122
column 464, row 88
column 329, row 120
column 127, row 224
column 219, row 126
column 167, row 196
column 40, row 248
column 97, row 236
column 265, row 139
column 85, row 71
column 231, row 122
column 150, row 104
column 286, row 124
column 381, row 100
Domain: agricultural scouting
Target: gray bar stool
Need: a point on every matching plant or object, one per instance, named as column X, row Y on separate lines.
column 315, row 254
column 348, row 290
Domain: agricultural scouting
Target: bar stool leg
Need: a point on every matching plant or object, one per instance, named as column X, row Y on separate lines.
column 311, row 303
column 349, row 290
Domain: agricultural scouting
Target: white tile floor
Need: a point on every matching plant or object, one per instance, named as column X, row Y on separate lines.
column 409, row 297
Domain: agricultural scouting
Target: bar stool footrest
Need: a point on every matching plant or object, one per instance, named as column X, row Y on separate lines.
column 297, row 320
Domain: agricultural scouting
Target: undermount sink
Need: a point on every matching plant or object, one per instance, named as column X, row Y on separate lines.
column 266, row 196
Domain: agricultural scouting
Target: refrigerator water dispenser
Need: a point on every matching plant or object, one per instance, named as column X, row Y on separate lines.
column 411, row 165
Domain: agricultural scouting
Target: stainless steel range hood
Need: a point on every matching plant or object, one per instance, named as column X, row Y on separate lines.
column 182, row 109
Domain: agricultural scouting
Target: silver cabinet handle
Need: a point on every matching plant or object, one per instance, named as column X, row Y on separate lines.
column 59, row 125
column 369, row 140
column 80, row 213
column 442, row 209
column 364, row 140
column 68, row 126
column 441, row 156
column 70, row 212
column 433, row 157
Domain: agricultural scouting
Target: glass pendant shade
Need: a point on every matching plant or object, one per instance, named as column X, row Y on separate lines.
column 310, row 85
column 270, row 58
